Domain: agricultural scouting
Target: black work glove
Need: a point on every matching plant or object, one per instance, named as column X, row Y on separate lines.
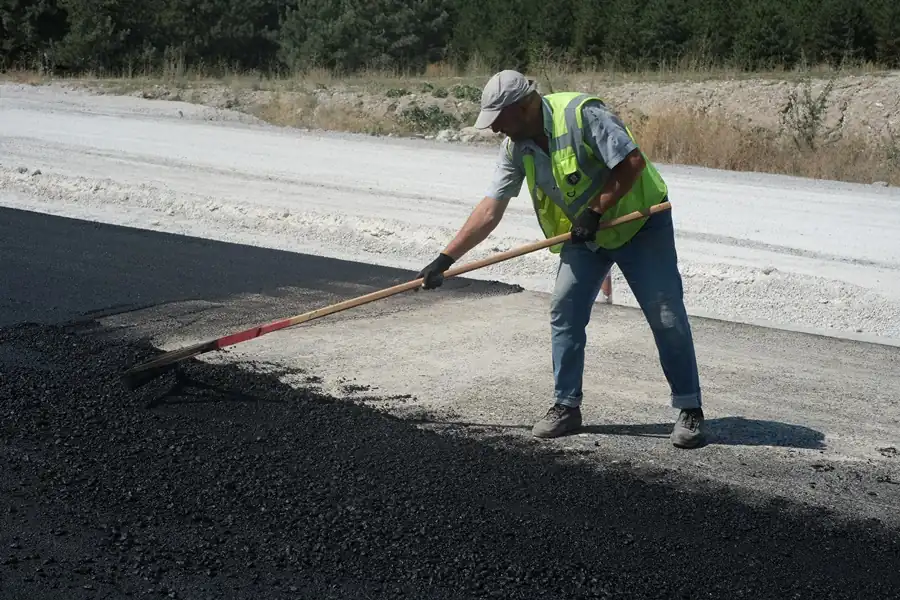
column 434, row 272
column 585, row 226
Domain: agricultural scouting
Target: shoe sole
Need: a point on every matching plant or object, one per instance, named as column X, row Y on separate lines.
column 689, row 445
column 554, row 434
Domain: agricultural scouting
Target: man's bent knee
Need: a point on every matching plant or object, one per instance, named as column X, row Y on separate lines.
column 560, row 304
column 666, row 314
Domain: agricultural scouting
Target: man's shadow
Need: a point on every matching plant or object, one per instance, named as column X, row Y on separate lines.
column 728, row 431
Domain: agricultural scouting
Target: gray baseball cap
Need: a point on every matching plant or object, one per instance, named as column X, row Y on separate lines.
column 504, row 88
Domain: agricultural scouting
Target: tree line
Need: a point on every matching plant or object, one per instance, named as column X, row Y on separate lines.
column 132, row 36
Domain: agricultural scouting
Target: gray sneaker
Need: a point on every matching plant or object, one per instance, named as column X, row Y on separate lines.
column 558, row 421
column 687, row 432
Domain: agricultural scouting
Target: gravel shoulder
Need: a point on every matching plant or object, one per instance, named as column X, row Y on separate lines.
column 334, row 460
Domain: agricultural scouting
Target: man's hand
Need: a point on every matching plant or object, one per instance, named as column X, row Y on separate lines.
column 434, row 272
column 478, row 226
column 584, row 229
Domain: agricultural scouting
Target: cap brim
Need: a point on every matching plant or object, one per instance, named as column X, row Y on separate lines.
column 486, row 118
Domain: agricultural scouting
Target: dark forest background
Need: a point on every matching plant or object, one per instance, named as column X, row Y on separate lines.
column 131, row 36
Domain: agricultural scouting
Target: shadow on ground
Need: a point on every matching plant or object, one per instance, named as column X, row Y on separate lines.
column 726, row 431
column 729, row 431
column 233, row 483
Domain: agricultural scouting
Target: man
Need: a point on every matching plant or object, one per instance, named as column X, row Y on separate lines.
column 581, row 167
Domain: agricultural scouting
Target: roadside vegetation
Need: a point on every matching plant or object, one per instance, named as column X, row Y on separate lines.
column 798, row 87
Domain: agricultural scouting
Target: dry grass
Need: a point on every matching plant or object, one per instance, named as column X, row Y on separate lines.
column 693, row 138
column 301, row 110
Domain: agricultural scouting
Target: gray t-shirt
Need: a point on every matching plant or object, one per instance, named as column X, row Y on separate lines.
column 604, row 132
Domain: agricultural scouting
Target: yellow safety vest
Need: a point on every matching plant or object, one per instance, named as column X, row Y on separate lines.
column 579, row 178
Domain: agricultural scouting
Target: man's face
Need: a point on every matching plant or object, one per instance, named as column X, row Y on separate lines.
column 513, row 122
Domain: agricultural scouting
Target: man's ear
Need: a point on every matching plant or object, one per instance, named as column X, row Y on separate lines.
column 522, row 109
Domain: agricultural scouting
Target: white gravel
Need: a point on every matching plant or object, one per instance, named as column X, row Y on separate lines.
column 774, row 250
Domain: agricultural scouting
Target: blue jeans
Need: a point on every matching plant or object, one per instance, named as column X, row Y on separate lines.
column 649, row 264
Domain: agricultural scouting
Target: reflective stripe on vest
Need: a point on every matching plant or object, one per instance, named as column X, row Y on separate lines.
column 579, row 178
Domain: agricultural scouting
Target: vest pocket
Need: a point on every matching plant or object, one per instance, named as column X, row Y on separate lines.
column 572, row 181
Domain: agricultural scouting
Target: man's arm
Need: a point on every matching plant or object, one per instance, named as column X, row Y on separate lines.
column 506, row 184
column 621, row 178
column 483, row 220
column 608, row 138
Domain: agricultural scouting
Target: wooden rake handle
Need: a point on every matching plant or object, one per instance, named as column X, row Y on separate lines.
column 139, row 374
column 452, row 272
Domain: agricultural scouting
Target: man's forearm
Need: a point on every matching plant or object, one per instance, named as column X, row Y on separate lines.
column 478, row 226
column 620, row 181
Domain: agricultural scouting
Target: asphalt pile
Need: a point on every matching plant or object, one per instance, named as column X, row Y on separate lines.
column 225, row 482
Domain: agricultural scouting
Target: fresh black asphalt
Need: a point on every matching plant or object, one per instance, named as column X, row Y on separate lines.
column 229, row 483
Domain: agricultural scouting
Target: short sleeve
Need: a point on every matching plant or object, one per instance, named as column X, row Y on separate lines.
column 508, row 175
column 606, row 134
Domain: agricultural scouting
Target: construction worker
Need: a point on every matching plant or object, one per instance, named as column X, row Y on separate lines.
column 582, row 166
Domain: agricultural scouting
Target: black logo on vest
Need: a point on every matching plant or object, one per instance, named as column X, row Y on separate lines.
column 573, row 178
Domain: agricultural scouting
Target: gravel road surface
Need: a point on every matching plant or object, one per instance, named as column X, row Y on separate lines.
column 257, row 479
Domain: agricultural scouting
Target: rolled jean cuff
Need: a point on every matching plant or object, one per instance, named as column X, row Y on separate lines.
column 686, row 400
column 570, row 402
